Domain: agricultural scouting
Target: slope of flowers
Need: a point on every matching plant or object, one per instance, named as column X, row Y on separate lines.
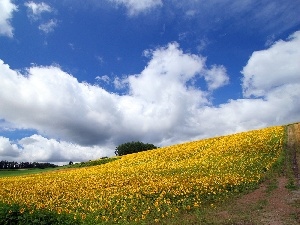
column 155, row 183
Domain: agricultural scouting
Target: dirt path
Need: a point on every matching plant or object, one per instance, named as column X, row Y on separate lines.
column 294, row 146
column 273, row 203
column 282, row 205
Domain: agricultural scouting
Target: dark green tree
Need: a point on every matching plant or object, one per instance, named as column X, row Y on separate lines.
column 133, row 147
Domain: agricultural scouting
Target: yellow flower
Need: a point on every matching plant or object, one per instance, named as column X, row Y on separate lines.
column 166, row 179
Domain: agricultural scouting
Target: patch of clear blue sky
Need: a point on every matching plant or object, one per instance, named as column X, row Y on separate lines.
column 91, row 41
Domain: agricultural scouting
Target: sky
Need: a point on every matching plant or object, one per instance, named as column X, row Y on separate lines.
column 79, row 78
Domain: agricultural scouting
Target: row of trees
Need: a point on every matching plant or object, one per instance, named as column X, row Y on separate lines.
column 24, row 165
column 123, row 149
column 133, row 147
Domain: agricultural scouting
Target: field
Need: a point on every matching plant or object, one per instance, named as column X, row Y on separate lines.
column 22, row 172
column 152, row 186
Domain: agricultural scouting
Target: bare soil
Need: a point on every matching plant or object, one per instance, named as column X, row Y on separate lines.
column 294, row 146
column 273, row 203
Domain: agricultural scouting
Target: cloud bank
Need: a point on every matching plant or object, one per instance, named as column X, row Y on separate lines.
column 162, row 105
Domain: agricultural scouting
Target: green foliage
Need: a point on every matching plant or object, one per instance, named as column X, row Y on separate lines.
column 133, row 147
column 14, row 172
column 289, row 166
column 25, row 165
column 20, row 215
column 100, row 161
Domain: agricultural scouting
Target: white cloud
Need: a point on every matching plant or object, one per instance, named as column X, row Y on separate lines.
column 216, row 77
column 163, row 106
column 276, row 66
column 168, row 69
column 6, row 11
column 49, row 26
column 7, row 149
column 57, row 104
column 36, row 9
column 103, row 78
column 38, row 148
column 160, row 99
column 135, row 7
column 120, row 83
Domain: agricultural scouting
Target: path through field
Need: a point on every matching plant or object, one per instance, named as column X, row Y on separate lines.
column 294, row 146
column 272, row 203
column 276, row 204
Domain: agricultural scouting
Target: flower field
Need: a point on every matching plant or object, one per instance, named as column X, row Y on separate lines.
column 152, row 184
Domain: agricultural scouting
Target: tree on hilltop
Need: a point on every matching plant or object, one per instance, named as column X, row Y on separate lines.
column 133, row 147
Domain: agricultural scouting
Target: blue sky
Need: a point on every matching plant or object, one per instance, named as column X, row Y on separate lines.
column 78, row 78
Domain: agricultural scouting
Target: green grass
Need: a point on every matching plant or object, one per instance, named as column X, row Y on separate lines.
column 22, row 172
column 20, row 215
column 97, row 162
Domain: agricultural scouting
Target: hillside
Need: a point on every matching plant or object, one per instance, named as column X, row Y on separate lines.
column 275, row 202
column 196, row 181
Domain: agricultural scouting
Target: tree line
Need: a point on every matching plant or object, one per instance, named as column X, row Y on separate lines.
column 25, row 165
column 123, row 149
column 133, row 147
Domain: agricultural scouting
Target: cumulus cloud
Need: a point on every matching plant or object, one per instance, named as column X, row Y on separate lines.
column 55, row 103
column 38, row 148
column 162, row 105
column 6, row 12
column 216, row 77
column 268, row 69
column 135, row 7
column 8, row 149
column 271, row 87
